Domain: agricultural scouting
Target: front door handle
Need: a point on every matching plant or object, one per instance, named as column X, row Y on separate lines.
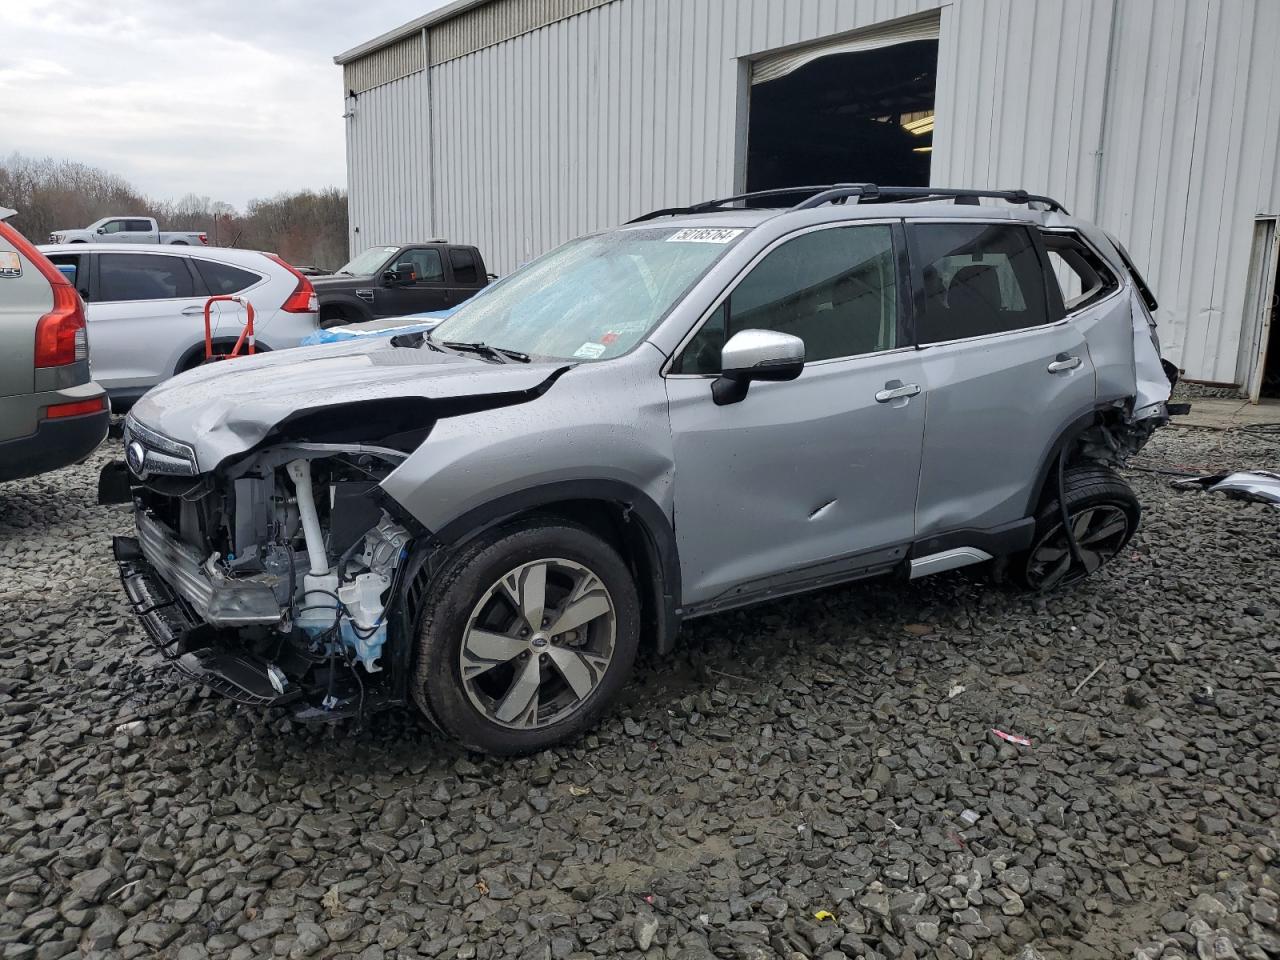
column 1064, row 361
column 192, row 311
column 896, row 390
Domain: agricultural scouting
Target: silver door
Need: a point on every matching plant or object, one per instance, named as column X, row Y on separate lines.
column 146, row 313
column 809, row 480
column 999, row 395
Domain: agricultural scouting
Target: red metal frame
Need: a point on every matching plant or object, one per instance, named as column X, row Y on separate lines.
column 246, row 335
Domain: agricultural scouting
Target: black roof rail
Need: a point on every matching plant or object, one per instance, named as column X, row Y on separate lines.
column 870, row 191
column 840, row 192
column 713, row 204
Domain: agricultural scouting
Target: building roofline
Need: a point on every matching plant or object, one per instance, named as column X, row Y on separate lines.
column 447, row 12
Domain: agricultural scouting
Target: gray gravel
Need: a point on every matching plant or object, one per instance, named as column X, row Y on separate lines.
column 814, row 778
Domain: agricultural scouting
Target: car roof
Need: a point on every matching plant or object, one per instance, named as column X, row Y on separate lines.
column 225, row 254
column 940, row 208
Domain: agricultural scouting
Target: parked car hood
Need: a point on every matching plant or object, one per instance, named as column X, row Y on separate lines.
column 228, row 407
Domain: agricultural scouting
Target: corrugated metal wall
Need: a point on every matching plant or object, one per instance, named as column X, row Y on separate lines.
column 1175, row 152
column 498, row 21
column 382, row 66
column 638, row 104
column 389, row 163
column 601, row 117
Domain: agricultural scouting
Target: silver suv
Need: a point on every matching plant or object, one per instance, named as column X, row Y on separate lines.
column 51, row 413
column 704, row 408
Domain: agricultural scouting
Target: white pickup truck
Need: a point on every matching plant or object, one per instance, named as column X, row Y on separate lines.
column 128, row 230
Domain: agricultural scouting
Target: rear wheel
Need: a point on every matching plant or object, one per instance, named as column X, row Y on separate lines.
column 532, row 633
column 1104, row 515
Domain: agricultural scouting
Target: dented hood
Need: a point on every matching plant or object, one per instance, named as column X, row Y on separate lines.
column 229, row 407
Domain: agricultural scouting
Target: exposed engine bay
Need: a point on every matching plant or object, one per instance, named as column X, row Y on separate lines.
column 273, row 578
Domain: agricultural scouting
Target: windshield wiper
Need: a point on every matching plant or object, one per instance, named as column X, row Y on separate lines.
column 501, row 354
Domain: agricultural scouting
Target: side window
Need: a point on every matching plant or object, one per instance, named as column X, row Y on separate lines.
column 137, row 226
column 978, row 279
column 140, row 276
column 222, row 278
column 835, row 289
column 1083, row 276
column 463, row 262
column 68, row 265
column 114, row 226
column 427, row 265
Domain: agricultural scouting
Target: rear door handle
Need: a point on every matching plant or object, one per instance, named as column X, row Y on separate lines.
column 192, row 311
column 896, row 390
column 1064, row 362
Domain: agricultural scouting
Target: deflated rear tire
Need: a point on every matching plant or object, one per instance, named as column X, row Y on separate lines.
column 531, row 634
column 1104, row 516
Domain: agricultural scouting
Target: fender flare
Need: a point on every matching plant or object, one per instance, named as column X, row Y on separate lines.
column 1067, row 434
column 658, row 537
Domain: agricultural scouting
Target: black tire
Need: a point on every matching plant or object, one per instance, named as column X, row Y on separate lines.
column 337, row 317
column 464, row 582
column 1110, row 505
column 179, row 243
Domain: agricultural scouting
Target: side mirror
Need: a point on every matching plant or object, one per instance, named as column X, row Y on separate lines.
column 101, row 230
column 401, row 276
column 756, row 355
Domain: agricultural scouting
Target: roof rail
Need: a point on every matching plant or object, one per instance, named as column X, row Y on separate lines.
column 870, row 191
column 840, row 192
column 713, row 204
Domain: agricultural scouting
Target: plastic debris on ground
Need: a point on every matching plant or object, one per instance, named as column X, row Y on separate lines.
column 1262, row 486
column 1011, row 737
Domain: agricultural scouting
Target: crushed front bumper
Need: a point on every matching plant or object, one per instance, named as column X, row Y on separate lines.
column 182, row 637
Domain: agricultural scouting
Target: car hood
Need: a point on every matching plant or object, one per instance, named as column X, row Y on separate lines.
column 229, row 407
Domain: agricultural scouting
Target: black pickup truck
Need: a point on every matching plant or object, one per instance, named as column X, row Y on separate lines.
column 392, row 281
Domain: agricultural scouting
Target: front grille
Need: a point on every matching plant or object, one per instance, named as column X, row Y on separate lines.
column 152, row 454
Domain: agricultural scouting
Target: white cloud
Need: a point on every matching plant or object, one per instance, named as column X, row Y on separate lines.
column 223, row 98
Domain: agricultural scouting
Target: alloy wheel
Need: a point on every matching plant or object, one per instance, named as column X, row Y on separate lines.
column 538, row 643
column 1100, row 533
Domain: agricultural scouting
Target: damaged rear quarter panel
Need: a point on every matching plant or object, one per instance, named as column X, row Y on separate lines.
column 599, row 421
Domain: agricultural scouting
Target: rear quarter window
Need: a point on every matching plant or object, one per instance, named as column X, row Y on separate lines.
column 464, row 265
column 222, row 278
column 1082, row 275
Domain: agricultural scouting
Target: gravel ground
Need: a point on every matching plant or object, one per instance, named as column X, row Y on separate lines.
column 813, row 778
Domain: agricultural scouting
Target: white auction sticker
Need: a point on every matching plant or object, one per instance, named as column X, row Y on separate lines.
column 590, row 351
column 10, row 265
column 703, row 235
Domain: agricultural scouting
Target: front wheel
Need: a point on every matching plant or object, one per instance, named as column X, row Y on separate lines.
column 1104, row 515
column 531, row 633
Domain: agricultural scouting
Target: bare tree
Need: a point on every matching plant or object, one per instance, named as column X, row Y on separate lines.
column 304, row 227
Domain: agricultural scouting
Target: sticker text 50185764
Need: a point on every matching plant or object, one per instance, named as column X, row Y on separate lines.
column 703, row 235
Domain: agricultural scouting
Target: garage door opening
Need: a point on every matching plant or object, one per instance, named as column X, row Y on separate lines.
column 864, row 115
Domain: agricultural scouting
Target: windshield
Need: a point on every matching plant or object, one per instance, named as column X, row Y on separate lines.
column 593, row 298
column 369, row 261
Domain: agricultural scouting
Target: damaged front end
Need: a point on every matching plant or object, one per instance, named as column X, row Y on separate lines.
column 273, row 579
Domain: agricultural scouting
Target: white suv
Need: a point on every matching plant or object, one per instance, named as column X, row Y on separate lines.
column 145, row 307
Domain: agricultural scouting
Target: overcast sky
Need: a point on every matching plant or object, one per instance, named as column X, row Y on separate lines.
column 231, row 99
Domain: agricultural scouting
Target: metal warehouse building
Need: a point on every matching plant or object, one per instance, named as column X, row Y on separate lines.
column 518, row 124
